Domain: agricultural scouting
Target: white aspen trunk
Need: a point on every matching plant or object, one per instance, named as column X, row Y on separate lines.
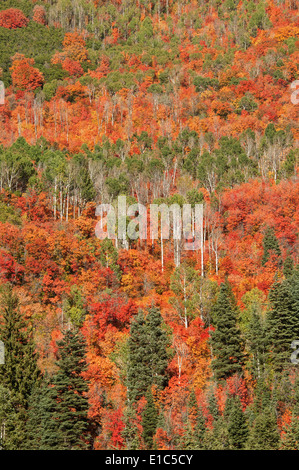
column 185, row 308
column 201, row 249
column 180, row 362
column 67, row 206
column 61, row 208
column 55, row 202
column 162, row 253
column 74, row 206
column 174, row 172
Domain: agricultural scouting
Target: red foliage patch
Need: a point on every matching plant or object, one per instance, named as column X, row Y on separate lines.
column 13, row 18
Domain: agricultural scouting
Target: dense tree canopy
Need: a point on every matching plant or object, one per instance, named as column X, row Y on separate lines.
column 149, row 342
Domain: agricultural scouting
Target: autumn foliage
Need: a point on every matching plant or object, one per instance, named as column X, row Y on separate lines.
column 24, row 75
column 179, row 102
column 39, row 14
column 13, row 18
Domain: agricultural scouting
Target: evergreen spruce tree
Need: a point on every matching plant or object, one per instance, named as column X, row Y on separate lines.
column 200, row 429
column 192, row 403
column 213, row 406
column 293, row 284
column 209, row 441
column 257, row 345
column 264, row 435
column 288, row 267
column 282, row 324
column 19, row 374
column 8, row 419
column 147, row 354
column 229, row 405
column 217, row 438
column 262, row 398
column 237, row 425
column 194, row 429
column 36, row 414
column 157, row 348
column 291, row 437
column 227, row 344
column 188, row 439
column 149, row 420
column 64, row 402
column 271, row 247
column 192, row 407
column 130, row 432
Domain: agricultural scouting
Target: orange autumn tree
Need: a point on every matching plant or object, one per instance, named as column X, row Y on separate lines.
column 74, row 52
column 75, row 47
column 25, row 77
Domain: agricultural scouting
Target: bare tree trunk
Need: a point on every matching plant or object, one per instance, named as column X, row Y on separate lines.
column 162, row 251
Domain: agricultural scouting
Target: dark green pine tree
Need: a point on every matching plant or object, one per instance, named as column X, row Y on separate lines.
column 237, row 425
column 130, row 431
column 149, row 420
column 217, row 438
column 264, row 434
column 226, row 341
column 229, row 404
column 8, row 418
column 263, row 397
column 64, row 402
column 271, row 247
column 188, row 438
column 282, row 324
column 291, row 437
column 288, row 267
column 290, row 440
column 293, row 284
column 157, row 348
column 36, row 417
column 194, row 429
column 213, row 406
column 147, row 354
column 192, row 403
column 200, row 429
column 20, row 372
column 257, row 346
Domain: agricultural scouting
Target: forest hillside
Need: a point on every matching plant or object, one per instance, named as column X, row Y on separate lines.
column 135, row 343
